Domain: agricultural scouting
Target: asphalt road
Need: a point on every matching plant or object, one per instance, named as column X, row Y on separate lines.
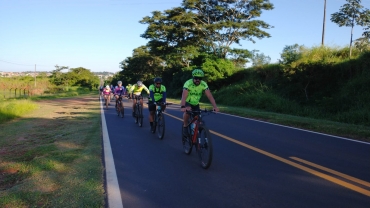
column 255, row 164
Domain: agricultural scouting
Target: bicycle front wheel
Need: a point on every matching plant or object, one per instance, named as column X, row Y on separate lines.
column 161, row 126
column 122, row 109
column 136, row 114
column 186, row 142
column 140, row 116
column 204, row 147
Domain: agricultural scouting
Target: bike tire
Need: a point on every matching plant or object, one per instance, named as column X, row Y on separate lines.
column 106, row 103
column 161, row 126
column 186, row 142
column 154, row 123
column 205, row 147
column 140, row 116
column 117, row 110
column 136, row 115
column 122, row 109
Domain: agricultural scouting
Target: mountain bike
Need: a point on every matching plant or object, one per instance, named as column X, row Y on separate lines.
column 119, row 107
column 106, row 101
column 158, row 120
column 138, row 109
column 200, row 137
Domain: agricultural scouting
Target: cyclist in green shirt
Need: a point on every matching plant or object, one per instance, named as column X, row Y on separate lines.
column 157, row 95
column 191, row 94
column 135, row 91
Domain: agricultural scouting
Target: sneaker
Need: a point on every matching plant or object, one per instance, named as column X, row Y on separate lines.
column 185, row 132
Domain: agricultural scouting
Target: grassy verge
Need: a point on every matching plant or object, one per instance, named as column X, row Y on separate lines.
column 52, row 156
column 357, row 132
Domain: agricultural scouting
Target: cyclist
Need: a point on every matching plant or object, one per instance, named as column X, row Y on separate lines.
column 119, row 91
column 112, row 91
column 106, row 93
column 157, row 94
column 135, row 91
column 128, row 87
column 191, row 94
column 101, row 91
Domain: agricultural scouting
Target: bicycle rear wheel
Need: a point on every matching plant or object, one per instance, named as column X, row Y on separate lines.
column 161, row 126
column 186, row 142
column 140, row 116
column 204, row 147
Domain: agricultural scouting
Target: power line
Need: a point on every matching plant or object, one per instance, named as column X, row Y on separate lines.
column 23, row 64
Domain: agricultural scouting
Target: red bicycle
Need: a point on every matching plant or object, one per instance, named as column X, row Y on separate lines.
column 200, row 137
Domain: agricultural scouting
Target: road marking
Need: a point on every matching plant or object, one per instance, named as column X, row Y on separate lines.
column 314, row 172
column 113, row 191
column 365, row 183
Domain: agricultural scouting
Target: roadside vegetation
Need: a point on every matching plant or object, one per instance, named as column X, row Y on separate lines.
column 50, row 143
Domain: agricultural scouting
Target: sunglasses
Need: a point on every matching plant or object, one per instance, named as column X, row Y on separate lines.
column 197, row 78
column 157, row 83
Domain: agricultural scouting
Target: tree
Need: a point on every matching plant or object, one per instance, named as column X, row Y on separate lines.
column 142, row 65
column 290, row 54
column 351, row 14
column 363, row 43
column 260, row 59
column 210, row 25
column 223, row 23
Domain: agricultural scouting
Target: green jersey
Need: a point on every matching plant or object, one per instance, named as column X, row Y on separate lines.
column 158, row 91
column 194, row 91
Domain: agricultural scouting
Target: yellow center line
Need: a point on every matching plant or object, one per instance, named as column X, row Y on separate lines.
column 296, row 165
column 365, row 183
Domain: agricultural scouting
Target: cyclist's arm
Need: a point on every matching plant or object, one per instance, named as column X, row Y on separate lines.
column 185, row 93
column 211, row 99
column 146, row 89
column 152, row 95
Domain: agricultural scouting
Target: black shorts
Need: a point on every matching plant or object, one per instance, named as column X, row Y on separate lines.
column 193, row 107
column 151, row 105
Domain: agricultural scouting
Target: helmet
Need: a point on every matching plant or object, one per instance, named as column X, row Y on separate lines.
column 107, row 87
column 157, row 80
column 119, row 82
column 197, row 73
column 139, row 83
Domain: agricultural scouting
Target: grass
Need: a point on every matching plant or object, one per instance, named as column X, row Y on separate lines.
column 51, row 157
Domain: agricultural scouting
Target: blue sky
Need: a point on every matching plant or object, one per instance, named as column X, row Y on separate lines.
column 98, row 34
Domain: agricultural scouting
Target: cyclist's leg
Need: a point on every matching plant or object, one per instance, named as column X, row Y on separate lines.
column 151, row 108
column 133, row 104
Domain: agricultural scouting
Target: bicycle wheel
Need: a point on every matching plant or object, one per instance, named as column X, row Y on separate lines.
column 122, row 109
column 117, row 109
column 161, row 126
column 204, row 147
column 186, row 142
column 140, row 115
column 136, row 114
column 106, row 102
column 155, row 119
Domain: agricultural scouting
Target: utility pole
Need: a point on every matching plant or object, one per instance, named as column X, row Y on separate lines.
column 35, row 75
column 323, row 25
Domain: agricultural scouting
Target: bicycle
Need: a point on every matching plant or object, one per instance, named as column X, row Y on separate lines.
column 106, row 100
column 158, row 120
column 119, row 107
column 199, row 136
column 138, row 109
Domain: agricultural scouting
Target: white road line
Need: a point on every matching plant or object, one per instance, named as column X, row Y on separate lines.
column 113, row 191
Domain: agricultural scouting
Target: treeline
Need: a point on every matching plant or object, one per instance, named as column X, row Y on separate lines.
column 320, row 82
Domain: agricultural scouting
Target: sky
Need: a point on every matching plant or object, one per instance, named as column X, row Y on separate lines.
column 99, row 34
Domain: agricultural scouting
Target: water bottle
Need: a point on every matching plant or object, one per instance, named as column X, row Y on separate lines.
column 159, row 107
column 192, row 126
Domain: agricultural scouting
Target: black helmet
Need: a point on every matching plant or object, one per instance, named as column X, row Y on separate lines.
column 157, row 80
